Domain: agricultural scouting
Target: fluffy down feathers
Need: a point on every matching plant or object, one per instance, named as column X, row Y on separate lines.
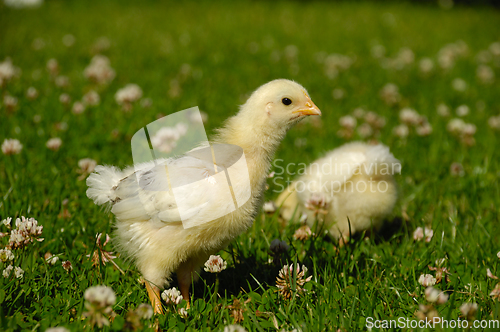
column 349, row 190
column 149, row 229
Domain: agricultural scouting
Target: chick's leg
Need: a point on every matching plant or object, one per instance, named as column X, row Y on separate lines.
column 184, row 281
column 154, row 297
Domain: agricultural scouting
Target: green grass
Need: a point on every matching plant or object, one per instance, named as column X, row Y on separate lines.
column 232, row 48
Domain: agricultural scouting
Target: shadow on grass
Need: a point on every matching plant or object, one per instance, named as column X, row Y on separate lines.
column 252, row 272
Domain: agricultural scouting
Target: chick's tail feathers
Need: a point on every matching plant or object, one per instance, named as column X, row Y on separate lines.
column 380, row 161
column 102, row 184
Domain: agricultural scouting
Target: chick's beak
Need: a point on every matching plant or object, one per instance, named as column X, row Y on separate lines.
column 309, row 108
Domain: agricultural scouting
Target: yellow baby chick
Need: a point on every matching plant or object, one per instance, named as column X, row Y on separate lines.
column 157, row 234
column 349, row 190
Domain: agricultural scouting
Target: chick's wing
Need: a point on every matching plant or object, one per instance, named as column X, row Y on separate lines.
column 189, row 190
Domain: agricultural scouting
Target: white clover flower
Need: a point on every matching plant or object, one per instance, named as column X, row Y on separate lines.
column 442, row 298
column 64, row 98
column 101, row 44
column 78, row 108
column 27, row 231
column 285, row 283
column 338, row 93
column 426, row 280
column 455, row 126
column 165, row 139
column 463, row 110
column 485, row 74
column 317, row 203
column 215, row 264
column 175, row 88
column 405, row 56
column 102, row 296
column 144, row 311
column 446, row 4
column 440, row 262
column 365, row 130
column 99, row 301
column 101, row 255
column 469, row 129
column 498, row 255
column 31, row 93
column 425, row 129
column 334, row 63
column 183, row 312
column 468, row 309
column 495, row 293
column 68, row 40
column 7, row 221
column 269, row 207
column 171, row 296
column 291, row 52
column 99, row 70
column 38, row 44
column 483, row 56
column 194, row 118
column 420, row 232
column 489, row 274
column 348, row 121
column 494, row 122
column 23, row 3
column 6, row 255
column 302, row 233
column 390, row 94
column 62, row 81
column 459, row 84
column 67, row 266
column 448, row 54
column 358, row 113
column 456, row 169
column 443, row 110
column 146, row 102
column 6, row 272
column 18, row 272
column 87, row 165
column 7, row 71
column 128, row 94
column 410, row 116
column 374, row 120
column 57, row 329
column 495, row 48
column 277, row 246
column 446, row 59
column 9, row 102
column 432, row 294
column 401, row 131
column 426, row 65
column 54, row 143
column 11, row 146
column 234, row 328
column 63, row 126
column 91, row 98
column 377, row 51
column 52, row 260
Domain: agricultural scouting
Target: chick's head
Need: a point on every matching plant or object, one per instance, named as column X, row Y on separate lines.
column 280, row 103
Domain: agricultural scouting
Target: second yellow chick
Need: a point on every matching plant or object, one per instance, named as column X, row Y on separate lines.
column 351, row 189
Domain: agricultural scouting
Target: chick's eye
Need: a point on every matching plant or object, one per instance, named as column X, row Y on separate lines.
column 286, row 101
